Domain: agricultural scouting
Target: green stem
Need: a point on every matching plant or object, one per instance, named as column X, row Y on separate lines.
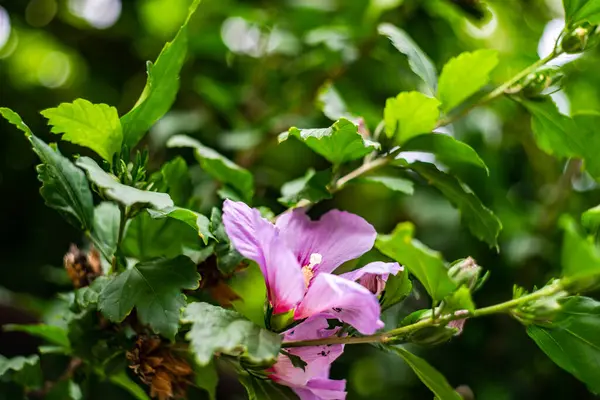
column 500, row 90
column 122, row 223
column 393, row 334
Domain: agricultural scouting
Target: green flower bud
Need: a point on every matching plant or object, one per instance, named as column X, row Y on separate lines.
column 541, row 310
column 538, row 82
column 580, row 38
column 465, row 272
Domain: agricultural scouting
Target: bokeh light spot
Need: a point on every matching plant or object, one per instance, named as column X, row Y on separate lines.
column 100, row 14
column 4, row 27
column 54, row 70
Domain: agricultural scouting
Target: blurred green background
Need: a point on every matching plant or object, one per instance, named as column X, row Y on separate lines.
column 254, row 69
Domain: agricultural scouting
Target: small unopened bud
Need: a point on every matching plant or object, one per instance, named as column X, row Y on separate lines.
column 374, row 282
column 465, row 272
column 541, row 82
column 543, row 309
column 580, row 38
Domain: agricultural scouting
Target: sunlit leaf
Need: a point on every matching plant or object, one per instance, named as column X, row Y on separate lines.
column 410, row 114
column 154, row 289
column 397, row 288
column 161, row 87
column 577, row 11
column 25, row 371
column 312, row 187
column 107, row 219
column 332, row 104
column 580, row 254
column 425, row 264
column 464, row 75
column 218, row 166
column 446, row 149
column 126, row 195
column 95, row 126
column 480, row 220
column 418, row 61
column 196, row 221
column 431, row 377
column 339, row 143
column 52, row 334
column 395, row 183
column 125, row 382
column 216, row 330
column 207, row 378
column 572, row 339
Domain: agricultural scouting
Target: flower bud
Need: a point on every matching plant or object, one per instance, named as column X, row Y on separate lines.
column 540, row 310
column 540, row 82
column 580, row 38
column 465, row 272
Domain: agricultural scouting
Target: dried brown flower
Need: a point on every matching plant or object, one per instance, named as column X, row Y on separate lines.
column 159, row 366
column 82, row 267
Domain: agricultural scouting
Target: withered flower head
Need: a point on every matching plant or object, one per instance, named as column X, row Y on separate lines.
column 159, row 366
column 82, row 267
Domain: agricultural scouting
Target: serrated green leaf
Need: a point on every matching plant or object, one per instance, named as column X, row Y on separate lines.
column 218, row 166
column 464, row 75
column 161, row 87
column 50, row 333
column 215, row 329
column 125, row 195
column 395, row 183
column 580, row 255
column 480, row 220
column 397, row 288
column 572, row 340
column 107, row 218
column 95, row 126
column 331, row 103
column 123, row 381
column 446, row 149
column 410, row 114
column 265, row 389
column 339, row 143
column 154, row 289
column 312, row 187
column 16, row 120
column 578, row 11
column 196, row 221
column 88, row 295
column 428, row 375
column 418, row 61
column 25, row 371
column 427, row 265
column 207, row 378
column 64, row 186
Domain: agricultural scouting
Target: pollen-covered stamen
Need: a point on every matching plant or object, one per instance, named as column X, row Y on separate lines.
column 307, row 270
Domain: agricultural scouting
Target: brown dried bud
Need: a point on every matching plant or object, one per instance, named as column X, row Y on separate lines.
column 158, row 366
column 82, row 267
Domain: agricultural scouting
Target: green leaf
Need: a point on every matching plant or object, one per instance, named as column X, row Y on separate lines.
column 428, row 375
column 88, row 295
column 331, row 103
column 418, row 61
column 125, row 195
column 580, row 255
column 50, row 333
column 551, row 129
column 460, row 300
column 578, row 11
column 228, row 258
column 95, row 126
column 16, row 120
column 339, row 143
column 572, row 340
column 25, row 371
column 219, row 167
column 265, row 389
column 107, row 219
column 65, row 390
column 397, row 288
column 591, row 219
column 446, row 149
column 427, row 265
column 207, row 378
column 464, row 75
column 216, row 330
column 173, row 178
column 161, row 87
column 122, row 380
column 481, row 220
column 154, row 289
column 312, row 187
column 587, row 140
column 395, row 183
column 196, row 221
column 410, row 114
column 64, row 187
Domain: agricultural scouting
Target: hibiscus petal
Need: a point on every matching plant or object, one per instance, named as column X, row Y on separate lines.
column 322, row 389
column 257, row 239
column 373, row 276
column 338, row 237
column 342, row 299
